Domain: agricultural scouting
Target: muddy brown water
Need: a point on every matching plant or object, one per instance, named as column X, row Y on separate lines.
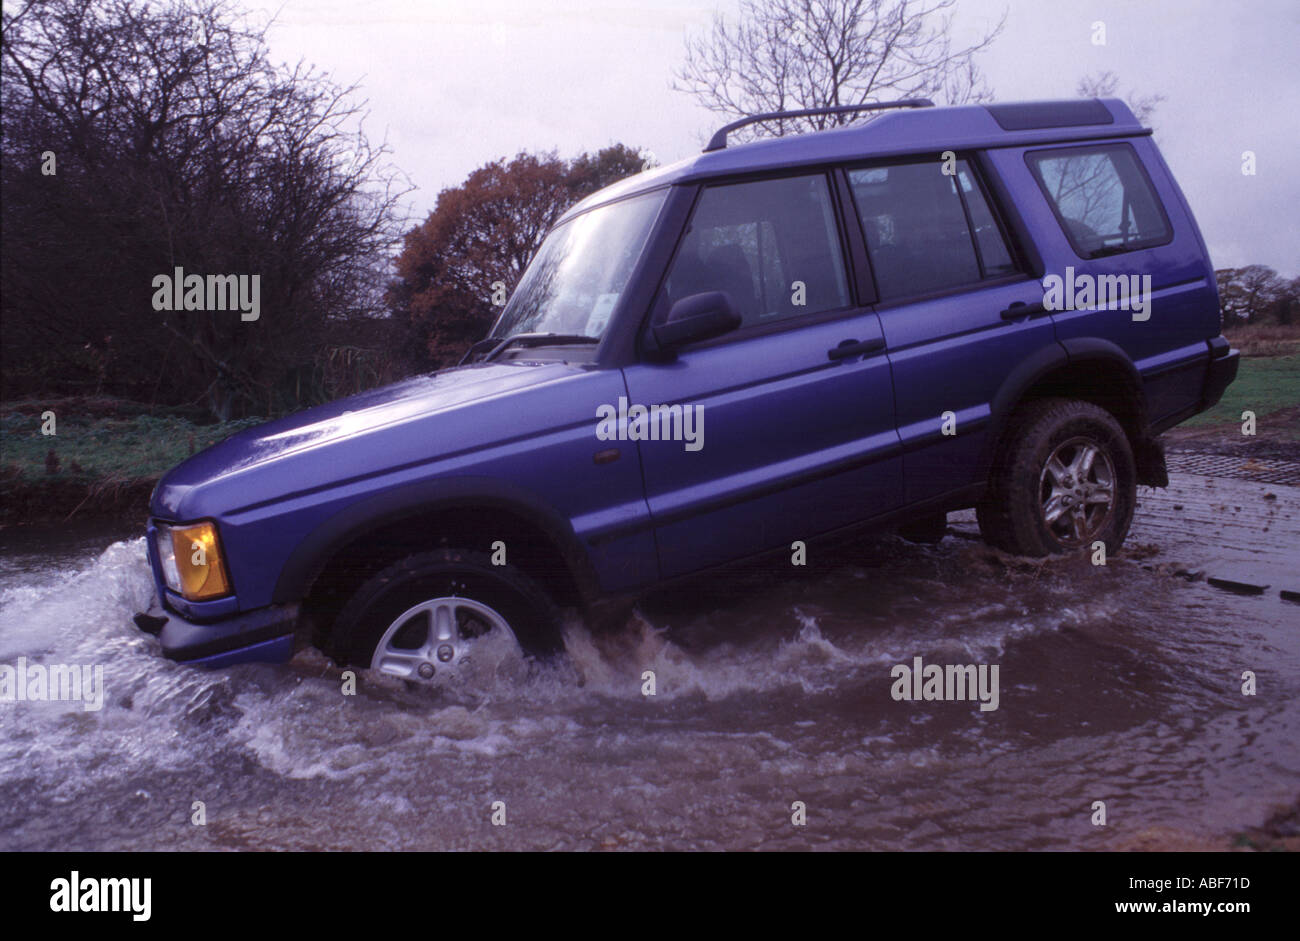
column 1119, row 683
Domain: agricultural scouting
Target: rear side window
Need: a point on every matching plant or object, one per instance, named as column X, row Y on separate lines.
column 773, row 245
column 1102, row 197
column 928, row 230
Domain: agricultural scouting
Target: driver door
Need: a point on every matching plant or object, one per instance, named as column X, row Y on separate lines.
column 797, row 433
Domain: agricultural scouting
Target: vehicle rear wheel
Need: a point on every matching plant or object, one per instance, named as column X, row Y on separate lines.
column 446, row 618
column 1066, row 480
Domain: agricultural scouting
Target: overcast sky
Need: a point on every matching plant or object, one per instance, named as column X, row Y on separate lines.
column 453, row 84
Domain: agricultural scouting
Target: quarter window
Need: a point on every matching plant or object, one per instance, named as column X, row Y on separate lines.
column 1102, row 198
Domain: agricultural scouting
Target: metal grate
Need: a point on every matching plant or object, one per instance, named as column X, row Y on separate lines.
column 1238, row 468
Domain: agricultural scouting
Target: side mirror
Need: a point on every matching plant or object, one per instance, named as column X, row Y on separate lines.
column 697, row 317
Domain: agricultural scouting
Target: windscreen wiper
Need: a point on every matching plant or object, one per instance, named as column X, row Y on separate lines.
column 486, row 343
column 538, row 339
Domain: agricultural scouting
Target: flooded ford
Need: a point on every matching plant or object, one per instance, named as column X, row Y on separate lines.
column 1161, row 690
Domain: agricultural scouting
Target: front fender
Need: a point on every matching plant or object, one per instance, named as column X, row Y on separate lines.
column 314, row 551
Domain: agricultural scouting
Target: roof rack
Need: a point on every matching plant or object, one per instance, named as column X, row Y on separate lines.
column 719, row 140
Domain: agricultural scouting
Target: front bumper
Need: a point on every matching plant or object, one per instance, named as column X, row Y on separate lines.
column 263, row 635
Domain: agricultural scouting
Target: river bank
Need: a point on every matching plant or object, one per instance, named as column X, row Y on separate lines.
column 92, row 458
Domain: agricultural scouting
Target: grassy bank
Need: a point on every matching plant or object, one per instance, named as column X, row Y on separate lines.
column 1265, row 339
column 1266, row 386
column 103, row 460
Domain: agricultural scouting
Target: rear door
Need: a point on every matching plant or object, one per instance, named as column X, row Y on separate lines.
column 797, row 439
column 947, row 281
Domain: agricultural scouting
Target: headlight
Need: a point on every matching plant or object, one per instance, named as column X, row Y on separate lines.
column 191, row 561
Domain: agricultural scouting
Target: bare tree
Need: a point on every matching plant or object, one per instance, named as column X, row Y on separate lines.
column 794, row 54
column 1248, row 293
column 179, row 144
column 1106, row 85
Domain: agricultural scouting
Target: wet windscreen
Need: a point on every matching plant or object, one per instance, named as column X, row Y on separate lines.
column 581, row 271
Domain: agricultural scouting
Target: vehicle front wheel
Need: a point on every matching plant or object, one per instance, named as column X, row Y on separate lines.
column 446, row 618
column 1064, row 481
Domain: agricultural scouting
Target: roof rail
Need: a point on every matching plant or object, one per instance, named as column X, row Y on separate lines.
column 719, row 140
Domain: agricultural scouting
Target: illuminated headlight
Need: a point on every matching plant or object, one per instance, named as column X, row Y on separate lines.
column 190, row 557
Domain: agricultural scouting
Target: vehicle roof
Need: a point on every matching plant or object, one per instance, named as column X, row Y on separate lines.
column 893, row 133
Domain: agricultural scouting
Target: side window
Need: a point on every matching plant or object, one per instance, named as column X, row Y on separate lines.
column 772, row 245
column 1102, row 198
column 926, row 230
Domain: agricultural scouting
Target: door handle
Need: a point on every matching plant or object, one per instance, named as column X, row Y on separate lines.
column 1021, row 309
column 848, row 348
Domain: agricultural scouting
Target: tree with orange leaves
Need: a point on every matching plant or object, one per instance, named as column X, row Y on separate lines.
column 458, row 266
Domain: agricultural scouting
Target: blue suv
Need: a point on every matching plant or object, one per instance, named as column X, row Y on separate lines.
column 997, row 307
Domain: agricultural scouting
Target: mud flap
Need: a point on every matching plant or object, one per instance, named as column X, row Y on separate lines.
column 1149, row 455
